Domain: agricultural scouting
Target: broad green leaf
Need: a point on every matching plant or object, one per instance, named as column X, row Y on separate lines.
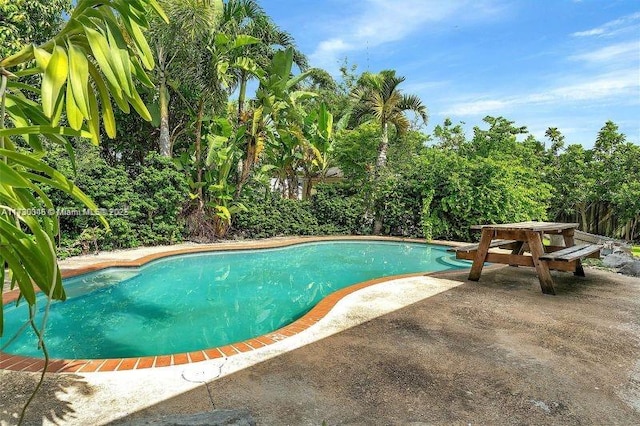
column 222, row 67
column 140, row 74
column 42, row 58
column 244, row 40
column 79, row 78
column 54, row 78
column 215, row 142
column 297, row 79
column 141, row 43
column 30, row 255
column 223, row 213
column 20, row 273
column 108, row 88
column 58, row 109
column 74, row 115
column 18, row 58
column 249, row 65
column 12, row 84
column 101, row 52
column 18, row 116
column 225, row 126
column 107, row 111
column 53, row 130
column 40, row 230
column 281, row 64
column 156, row 7
column 94, row 121
column 139, row 105
column 118, row 60
column 221, row 39
column 301, row 95
column 12, row 178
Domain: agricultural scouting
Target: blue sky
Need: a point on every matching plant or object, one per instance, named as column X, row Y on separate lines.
column 542, row 63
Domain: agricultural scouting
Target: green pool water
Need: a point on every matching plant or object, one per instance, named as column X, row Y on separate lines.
column 198, row 301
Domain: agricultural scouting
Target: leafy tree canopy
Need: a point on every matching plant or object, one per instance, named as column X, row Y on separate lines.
column 24, row 22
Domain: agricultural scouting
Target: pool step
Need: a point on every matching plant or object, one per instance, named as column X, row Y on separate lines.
column 97, row 281
column 454, row 263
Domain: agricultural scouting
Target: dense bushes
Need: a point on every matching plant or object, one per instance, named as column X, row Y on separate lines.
column 160, row 191
column 339, row 208
column 460, row 192
column 142, row 206
column 333, row 209
column 435, row 192
column 274, row 216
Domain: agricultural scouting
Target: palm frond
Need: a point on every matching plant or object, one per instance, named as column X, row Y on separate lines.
column 413, row 103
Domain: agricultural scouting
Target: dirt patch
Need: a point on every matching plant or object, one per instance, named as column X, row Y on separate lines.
column 52, row 404
column 490, row 352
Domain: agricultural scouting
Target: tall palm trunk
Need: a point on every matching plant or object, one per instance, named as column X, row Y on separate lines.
column 198, row 145
column 242, row 95
column 382, row 149
column 165, row 141
column 380, row 164
column 243, row 164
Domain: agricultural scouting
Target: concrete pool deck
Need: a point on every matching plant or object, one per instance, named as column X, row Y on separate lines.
column 437, row 350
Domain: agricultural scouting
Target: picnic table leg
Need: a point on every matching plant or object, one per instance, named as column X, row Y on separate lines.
column 567, row 234
column 481, row 255
column 518, row 249
column 542, row 268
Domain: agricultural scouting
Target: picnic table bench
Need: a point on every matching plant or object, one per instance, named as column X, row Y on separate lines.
column 524, row 240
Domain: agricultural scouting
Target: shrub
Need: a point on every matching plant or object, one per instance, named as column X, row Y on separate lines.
column 274, row 216
column 339, row 209
column 160, row 191
column 141, row 208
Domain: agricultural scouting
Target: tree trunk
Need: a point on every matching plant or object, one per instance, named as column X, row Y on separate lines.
column 380, row 164
column 583, row 216
column 242, row 94
column 165, row 141
column 382, row 149
column 199, row 149
column 243, row 165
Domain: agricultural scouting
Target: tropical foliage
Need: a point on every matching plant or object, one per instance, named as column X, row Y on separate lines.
column 92, row 61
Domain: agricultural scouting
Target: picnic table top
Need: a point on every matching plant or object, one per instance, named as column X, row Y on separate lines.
column 528, row 226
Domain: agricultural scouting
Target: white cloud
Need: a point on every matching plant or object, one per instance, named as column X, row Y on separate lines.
column 616, row 26
column 622, row 85
column 627, row 50
column 480, row 107
column 618, row 84
column 383, row 21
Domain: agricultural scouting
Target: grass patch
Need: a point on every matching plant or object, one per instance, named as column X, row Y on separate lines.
column 635, row 250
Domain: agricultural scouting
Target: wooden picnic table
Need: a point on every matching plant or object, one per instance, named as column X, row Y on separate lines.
column 524, row 240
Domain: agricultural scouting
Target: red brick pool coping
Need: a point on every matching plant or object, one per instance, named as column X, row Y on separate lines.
column 22, row 363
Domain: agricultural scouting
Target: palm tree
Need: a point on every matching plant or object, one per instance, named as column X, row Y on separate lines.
column 247, row 17
column 556, row 138
column 180, row 45
column 378, row 97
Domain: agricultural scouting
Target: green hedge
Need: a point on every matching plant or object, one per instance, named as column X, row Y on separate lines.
column 340, row 209
column 274, row 216
column 143, row 205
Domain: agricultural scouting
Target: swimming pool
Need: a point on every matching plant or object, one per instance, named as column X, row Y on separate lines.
column 191, row 302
